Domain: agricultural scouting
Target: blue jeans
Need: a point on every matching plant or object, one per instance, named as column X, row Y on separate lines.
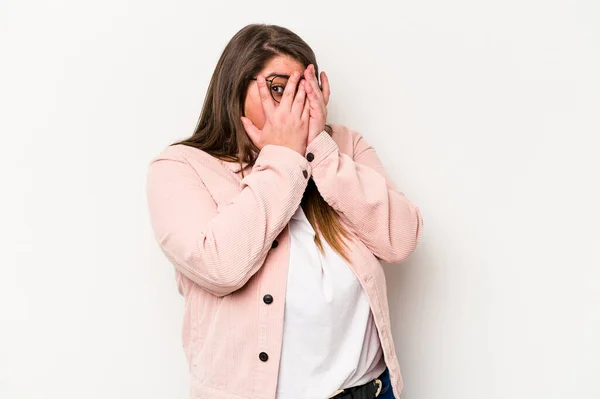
column 386, row 388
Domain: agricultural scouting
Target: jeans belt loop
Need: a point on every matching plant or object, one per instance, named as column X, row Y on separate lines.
column 380, row 385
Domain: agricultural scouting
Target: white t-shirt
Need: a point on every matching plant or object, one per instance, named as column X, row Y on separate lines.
column 330, row 340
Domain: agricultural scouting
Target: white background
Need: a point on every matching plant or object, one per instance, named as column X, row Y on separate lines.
column 486, row 114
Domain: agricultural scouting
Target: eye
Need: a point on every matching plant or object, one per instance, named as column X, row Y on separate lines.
column 278, row 89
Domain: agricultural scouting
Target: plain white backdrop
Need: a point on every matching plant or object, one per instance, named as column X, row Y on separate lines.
column 485, row 113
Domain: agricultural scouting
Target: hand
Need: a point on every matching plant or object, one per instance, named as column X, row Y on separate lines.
column 286, row 124
column 318, row 101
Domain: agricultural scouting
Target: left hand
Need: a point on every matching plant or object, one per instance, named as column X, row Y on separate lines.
column 318, row 101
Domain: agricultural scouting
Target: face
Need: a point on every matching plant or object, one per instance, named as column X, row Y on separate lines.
column 281, row 64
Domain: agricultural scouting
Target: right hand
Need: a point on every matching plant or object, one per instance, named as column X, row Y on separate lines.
column 285, row 125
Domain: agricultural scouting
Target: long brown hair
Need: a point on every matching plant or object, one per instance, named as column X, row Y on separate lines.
column 220, row 132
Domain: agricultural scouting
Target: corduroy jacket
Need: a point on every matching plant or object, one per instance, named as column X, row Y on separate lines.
column 227, row 237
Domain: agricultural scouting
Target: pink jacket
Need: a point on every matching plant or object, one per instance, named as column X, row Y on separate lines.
column 228, row 239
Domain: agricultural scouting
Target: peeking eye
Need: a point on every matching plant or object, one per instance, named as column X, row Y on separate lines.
column 278, row 90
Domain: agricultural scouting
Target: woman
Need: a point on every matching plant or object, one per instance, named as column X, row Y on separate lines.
column 276, row 224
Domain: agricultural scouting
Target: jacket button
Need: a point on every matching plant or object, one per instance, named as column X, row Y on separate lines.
column 263, row 356
column 275, row 244
column 268, row 299
column 305, row 174
column 310, row 156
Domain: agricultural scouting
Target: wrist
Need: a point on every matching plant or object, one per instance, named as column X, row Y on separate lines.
column 321, row 147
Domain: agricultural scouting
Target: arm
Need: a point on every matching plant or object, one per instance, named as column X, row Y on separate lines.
column 221, row 251
column 363, row 195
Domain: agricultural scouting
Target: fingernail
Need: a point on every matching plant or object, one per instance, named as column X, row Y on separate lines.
column 260, row 78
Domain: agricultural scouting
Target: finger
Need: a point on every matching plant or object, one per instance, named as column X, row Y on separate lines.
column 306, row 111
column 317, row 86
column 290, row 91
column 252, row 131
column 316, row 106
column 326, row 87
column 299, row 100
column 313, row 92
column 267, row 102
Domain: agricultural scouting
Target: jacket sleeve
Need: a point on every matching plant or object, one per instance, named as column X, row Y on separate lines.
column 220, row 251
column 364, row 196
